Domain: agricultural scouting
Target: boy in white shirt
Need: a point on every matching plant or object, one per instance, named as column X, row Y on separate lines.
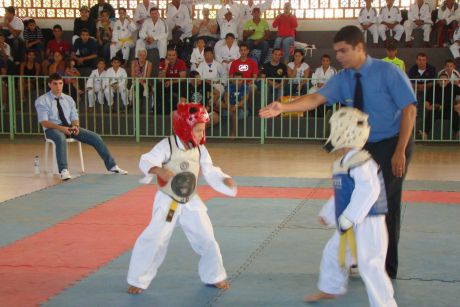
column 95, row 84
column 176, row 161
column 322, row 74
column 115, row 82
column 197, row 56
column 357, row 210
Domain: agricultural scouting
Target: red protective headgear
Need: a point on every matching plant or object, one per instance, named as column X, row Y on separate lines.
column 185, row 118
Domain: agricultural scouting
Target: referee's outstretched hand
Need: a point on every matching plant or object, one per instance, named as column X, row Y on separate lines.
column 272, row 110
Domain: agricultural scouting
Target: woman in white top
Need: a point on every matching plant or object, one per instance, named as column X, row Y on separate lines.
column 299, row 70
column 197, row 54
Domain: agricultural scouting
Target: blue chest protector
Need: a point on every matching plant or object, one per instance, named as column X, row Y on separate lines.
column 344, row 186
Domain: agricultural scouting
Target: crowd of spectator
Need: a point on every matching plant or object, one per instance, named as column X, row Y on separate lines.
column 237, row 44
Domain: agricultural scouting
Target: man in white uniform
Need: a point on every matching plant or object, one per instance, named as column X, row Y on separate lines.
column 153, row 34
column 389, row 19
column 368, row 20
column 419, row 17
column 179, row 18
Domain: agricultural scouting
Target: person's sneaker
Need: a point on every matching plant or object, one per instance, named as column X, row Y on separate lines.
column 65, row 175
column 117, row 170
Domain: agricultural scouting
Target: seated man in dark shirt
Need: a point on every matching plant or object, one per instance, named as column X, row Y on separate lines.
column 422, row 70
column 274, row 71
column 84, row 51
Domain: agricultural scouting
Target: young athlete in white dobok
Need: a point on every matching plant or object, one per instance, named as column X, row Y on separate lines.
column 177, row 161
column 358, row 210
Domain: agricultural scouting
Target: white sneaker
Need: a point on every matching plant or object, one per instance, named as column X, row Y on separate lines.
column 117, row 170
column 65, row 175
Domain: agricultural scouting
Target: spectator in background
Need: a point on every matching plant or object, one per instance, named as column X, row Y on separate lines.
column 422, row 75
column 419, row 17
column 447, row 21
column 96, row 10
column 153, row 34
column 71, row 80
column 322, row 74
column 389, row 19
column 287, row 25
column 274, row 72
column 368, row 20
column 197, row 54
column 122, row 32
column 228, row 24
column 58, row 65
column 33, row 38
column 246, row 9
column 55, row 45
column 299, row 70
column 104, row 34
column 445, row 105
column 455, row 47
column 206, row 28
column 84, row 22
column 6, row 60
column 13, row 28
column 115, row 82
column 214, row 75
column 391, row 57
column 228, row 52
column 29, row 68
column 175, row 71
column 256, row 34
column 245, row 65
column 95, row 84
column 195, row 92
column 142, row 12
column 179, row 19
column 84, row 51
column 236, row 101
column 141, row 69
column 451, row 72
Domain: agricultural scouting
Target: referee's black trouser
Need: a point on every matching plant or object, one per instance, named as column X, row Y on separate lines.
column 382, row 152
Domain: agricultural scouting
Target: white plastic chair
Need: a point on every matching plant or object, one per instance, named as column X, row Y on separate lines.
column 50, row 142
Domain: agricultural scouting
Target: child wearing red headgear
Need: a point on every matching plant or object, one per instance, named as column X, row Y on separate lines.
column 177, row 161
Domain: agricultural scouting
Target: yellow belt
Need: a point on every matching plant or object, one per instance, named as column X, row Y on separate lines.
column 172, row 210
column 347, row 237
column 125, row 40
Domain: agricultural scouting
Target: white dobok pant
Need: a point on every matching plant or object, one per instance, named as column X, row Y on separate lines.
column 374, row 30
column 110, row 93
column 151, row 246
column 372, row 243
column 161, row 45
column 95, row 93
column 410, row 26
column 398, row 29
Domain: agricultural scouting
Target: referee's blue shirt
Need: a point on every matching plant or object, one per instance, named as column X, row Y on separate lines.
column 386, row 91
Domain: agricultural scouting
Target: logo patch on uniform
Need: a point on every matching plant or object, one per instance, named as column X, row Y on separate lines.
column 184, row 165
column 337, row 182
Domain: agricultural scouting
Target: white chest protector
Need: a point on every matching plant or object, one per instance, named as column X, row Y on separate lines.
column 185, row 164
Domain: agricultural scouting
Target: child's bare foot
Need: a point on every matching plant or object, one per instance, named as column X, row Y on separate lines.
column 222, row 285
column 134, row 290
column 318, row 296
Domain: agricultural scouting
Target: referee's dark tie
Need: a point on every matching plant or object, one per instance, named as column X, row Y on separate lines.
column 358, row 101
column 61, row 113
